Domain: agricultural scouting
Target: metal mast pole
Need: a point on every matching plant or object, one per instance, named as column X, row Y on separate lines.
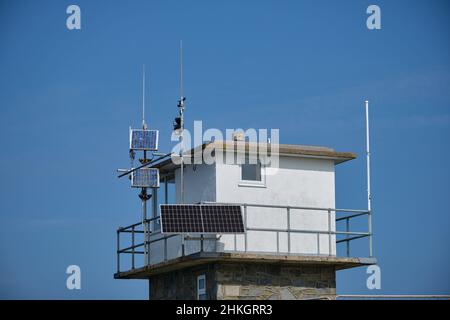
column 369, row 195
column 143, row 195
column 181, row 110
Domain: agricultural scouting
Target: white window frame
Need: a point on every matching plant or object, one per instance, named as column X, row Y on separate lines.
column 201, row 292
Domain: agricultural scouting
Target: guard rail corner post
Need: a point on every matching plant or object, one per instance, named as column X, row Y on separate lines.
column 118, row 250
column 370, row 233
column 347, row 229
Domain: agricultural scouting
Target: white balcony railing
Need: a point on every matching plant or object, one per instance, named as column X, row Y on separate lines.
column 142, row 236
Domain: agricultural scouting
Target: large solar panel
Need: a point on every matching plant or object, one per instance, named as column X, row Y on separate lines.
column 144, row 139
column 181, row 218
column 201, row 218
column 145, row 178
column 222, row 219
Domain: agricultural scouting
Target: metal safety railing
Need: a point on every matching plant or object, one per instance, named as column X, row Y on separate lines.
column 143, row 234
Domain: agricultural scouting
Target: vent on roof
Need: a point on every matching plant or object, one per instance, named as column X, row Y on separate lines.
column 238, row 136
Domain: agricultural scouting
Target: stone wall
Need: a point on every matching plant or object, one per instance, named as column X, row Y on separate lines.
column 275, row 281
column 248, row 281
column 182, row 284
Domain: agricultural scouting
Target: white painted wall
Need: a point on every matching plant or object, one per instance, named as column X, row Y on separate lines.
column 199, row 183
column 305, row 182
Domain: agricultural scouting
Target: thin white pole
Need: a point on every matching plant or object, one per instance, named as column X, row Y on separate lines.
column 369, row 194
column 143, row 97
column 181, row 68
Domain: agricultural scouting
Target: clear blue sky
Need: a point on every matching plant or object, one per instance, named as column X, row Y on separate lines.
column 68, row 97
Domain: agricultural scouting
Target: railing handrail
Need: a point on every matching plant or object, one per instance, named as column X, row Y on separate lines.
column 121, row 229
column 307, row 231
column 288, row 207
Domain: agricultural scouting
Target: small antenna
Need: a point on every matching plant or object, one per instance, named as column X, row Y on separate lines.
column 181, row 69
column 144, row 125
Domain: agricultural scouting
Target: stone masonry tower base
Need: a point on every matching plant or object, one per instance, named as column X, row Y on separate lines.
column 261, row 281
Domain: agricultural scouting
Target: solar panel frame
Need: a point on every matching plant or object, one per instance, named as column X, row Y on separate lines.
column 153, row 140
column 214, row 219
column 135, row 183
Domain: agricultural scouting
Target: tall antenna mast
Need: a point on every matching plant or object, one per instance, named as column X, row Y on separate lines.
column 181, row 111
column 144, row 125
column 369, row 194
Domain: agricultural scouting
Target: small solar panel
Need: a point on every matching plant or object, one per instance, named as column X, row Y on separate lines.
column 145, row 178
column 144, row 139
column 201, row 218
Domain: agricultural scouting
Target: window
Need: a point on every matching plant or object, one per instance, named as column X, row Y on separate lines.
column 201, row 287
column 251, row 172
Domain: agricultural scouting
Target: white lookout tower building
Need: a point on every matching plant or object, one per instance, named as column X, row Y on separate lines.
column 290, row 246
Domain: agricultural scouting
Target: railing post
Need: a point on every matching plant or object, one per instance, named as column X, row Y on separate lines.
column 165, row 249
column 329, row 233
column 318, row 243
column 245, row 224
column 288, row 219
column 347, row 229
column 182, row 245
column 132, row 250
column 278, row 242
column 147, row 243
column 370, row 233
column 118, row 249
column 166, row 194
